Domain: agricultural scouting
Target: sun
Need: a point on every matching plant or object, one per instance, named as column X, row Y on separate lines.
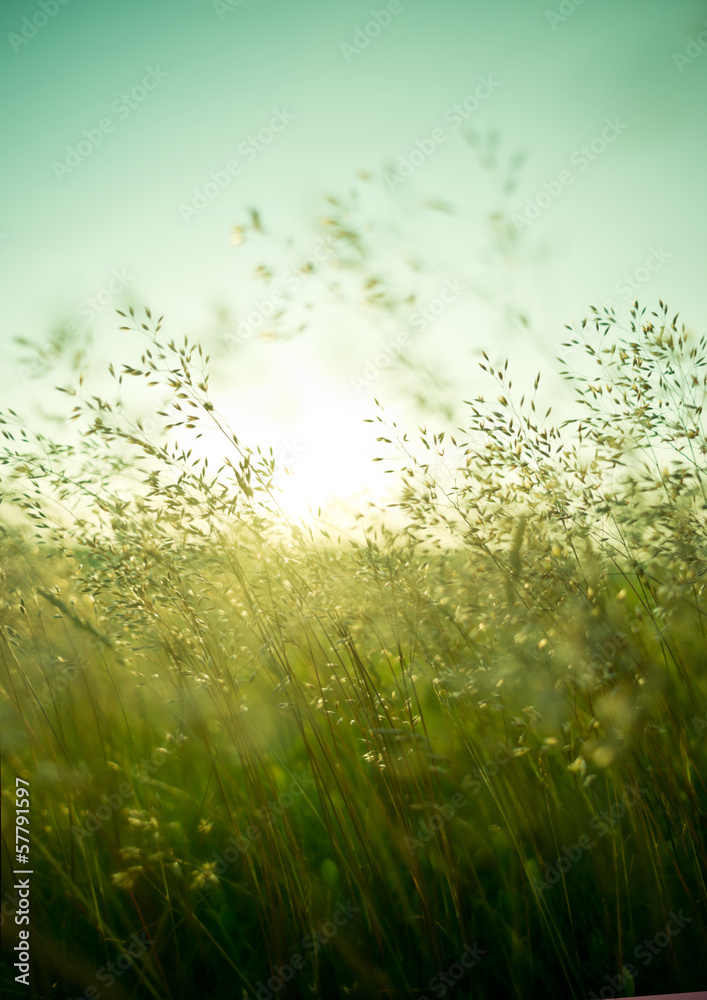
column 323, row 480
column 322, row 448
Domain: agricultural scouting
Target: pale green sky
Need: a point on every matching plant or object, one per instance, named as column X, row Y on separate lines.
column 112, row 226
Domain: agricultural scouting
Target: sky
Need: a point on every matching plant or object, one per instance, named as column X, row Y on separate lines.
column 138, row 135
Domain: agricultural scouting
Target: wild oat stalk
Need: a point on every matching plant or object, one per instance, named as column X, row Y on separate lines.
column 232, row 726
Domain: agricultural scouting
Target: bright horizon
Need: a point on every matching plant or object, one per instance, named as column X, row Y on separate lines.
column 127, row 193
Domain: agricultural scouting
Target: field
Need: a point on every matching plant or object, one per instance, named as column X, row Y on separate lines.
column 455, row 751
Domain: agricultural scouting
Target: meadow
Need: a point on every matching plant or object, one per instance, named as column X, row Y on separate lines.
column 457, row 750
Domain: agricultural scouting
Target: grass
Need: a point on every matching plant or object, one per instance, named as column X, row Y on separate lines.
column 305, row 765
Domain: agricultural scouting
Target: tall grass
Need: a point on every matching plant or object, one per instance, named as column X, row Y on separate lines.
column 237, row 730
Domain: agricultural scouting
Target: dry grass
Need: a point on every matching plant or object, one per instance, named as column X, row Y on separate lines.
column 230, row 729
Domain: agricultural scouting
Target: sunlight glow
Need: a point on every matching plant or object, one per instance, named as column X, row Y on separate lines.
column 322, row 448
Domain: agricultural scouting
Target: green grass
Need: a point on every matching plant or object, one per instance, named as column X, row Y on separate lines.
column 401, row 729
